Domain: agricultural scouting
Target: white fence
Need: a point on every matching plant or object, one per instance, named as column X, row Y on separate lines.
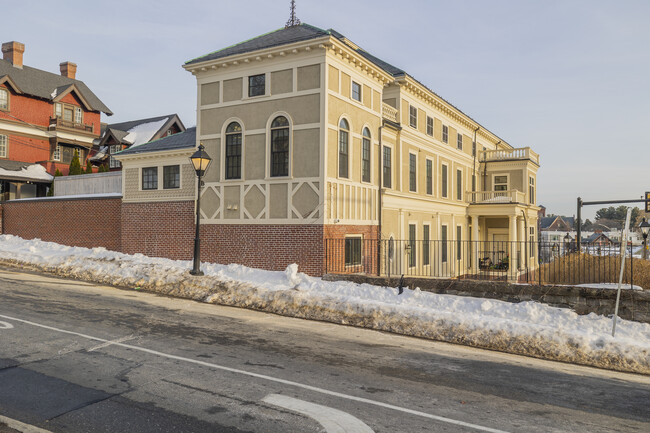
column 96, row 183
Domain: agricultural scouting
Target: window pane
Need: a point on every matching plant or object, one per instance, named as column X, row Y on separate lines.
column 78, row 115
column 413, row 116
column 429, row 177
column 412, row 172
column 67, row 114
column 4, row 99
column 150, row 178
column 425, row 245
column 365, row 160
column 343, row 153
column 171, row 176
column 352, row 251
column 279, row 122
column 256, row 85
column 429, row 125
column 460, row 141
column 356, row 91
column 233, row 127
column 280, row 152
column 459, row 185
column 412, row 250
column 459, row 242
column 444, row 181
column 387, row 167
column 445, row 134
column 3, row 146
column 233, row 155
column 443, row 244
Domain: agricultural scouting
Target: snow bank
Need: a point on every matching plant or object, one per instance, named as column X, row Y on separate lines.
column 526, row 328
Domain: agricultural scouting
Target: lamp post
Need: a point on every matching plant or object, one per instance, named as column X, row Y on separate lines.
column 200, row 161
column 645, row 227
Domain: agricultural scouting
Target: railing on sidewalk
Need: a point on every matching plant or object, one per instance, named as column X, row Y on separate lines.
column 530, row 262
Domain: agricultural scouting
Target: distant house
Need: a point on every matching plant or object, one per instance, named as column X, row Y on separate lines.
column 598, row 239
column 119, row 136
column 44, row 119
column 556, row 223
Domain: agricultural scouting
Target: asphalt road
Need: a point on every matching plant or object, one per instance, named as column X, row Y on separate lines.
column 77, row 357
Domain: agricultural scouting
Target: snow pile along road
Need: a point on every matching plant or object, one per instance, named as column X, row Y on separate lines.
column 526, row 328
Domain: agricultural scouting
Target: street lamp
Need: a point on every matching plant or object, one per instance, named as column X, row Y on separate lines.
column 201, row 161
column 645, row 227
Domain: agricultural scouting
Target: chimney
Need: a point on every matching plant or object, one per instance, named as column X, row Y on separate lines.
column 68, row 69
column 13, row 53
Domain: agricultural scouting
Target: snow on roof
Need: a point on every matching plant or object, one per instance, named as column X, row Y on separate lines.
column 29, row 173
column 144, row 132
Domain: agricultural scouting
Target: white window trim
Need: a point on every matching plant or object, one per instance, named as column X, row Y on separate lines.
column 6, row 93
column 392, row 152
column 353, row 236
column 4, row 138
column 370, row 182
column 433, row 176
column 338, row 144
column 462, row 184
column 416, row 116
column 443, row 164
column 245, row 81
column 352, row 83
column 494, row 175
column 222, row 169
column 442, row 134
column 267, row 169
column 459, row 136
column 446, row 226
column 416, row 172
column 56, row 155
column 158, row 178
column 426, row 224
column 433, row 127
column 408, row 240
column 180, row 177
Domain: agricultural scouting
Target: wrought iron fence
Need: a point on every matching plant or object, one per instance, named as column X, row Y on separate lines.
column 516, row 261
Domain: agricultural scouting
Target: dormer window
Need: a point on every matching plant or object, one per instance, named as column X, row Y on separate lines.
column 69, row 113
column 4, row 99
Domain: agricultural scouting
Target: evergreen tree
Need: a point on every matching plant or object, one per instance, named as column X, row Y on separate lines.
column 75, row 165
column 89, row 167
column 58, row 173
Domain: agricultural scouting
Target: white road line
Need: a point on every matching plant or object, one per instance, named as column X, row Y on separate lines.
column 21, row 426
column 5, row 325
column 334, row 420
column 269, row 378
column 109, row 343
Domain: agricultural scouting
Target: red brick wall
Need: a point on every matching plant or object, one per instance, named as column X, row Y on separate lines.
column 159, row 229
column 82, row 223
column 334, row 254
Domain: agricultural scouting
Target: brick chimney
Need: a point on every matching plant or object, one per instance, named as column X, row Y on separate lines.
column 13, row 53
column 68, row 69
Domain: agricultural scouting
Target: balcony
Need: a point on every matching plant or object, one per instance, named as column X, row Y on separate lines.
column 521, row 153
column 495, row 197
column 389, row 113
column 58, row 122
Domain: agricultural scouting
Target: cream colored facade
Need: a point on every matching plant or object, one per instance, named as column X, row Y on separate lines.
column 318, row 83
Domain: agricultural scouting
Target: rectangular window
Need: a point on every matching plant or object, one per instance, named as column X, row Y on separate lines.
column 473, row 183
column 233, row 154
column 445, row 134
column 343, row 153
column 459, row 184
column 365, row 159
column 412, row 172
column 387, row 167
column 444, row 181
column 58, row 110
column 78, row 115
column 413, row 116
column 429, row 125
column 356, row 91
column 171, row 176
column 150, row 178
column 279, row 152
column 3, row 146
column 352, row 251
column 257, row 85
column 501, row 183
column 531, row 190
column 443, row 244
column 429, row 177
column 112, row 162
column 68, row 114
column 80, row 154
column 4, row 99
column 412, row 250
column 459, row 242
column 56, row 155
column 425, row 245
column 459, row 141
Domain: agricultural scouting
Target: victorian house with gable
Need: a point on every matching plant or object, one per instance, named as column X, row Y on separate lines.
column 44, row 119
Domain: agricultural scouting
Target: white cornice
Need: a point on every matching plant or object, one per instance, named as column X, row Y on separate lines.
column 155, row 154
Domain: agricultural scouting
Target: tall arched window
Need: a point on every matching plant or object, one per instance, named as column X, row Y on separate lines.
column 344, row 149
column 233, row 151
column 280, row 147
column 365, row 156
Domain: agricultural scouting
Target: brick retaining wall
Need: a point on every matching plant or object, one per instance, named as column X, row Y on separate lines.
column 87, row 222
column 634, row 305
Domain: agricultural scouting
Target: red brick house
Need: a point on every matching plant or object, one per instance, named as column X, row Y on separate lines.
column 44, row 118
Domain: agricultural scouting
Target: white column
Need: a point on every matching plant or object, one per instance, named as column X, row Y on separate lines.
column 521, row 247
column 476, row 245
column 511, row 238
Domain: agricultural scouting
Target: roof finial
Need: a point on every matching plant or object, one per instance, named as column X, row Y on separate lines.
column 293, row 20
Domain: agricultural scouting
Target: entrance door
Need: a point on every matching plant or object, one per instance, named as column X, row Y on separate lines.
column 498, row 248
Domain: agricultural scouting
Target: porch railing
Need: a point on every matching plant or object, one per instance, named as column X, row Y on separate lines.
column 58, row 122
column 486, row 197
column 389, row 113
column 519, row 261
column 508, row 154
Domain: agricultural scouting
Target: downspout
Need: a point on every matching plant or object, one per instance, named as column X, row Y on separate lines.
column 379, row 202
column 475, row 144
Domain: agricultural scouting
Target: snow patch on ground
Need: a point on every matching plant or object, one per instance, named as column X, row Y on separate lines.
column 527, row 328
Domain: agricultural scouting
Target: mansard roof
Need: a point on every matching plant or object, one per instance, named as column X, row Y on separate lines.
column 47, row 85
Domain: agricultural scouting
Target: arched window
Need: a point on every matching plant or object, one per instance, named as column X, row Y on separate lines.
column 280, row 147
column 344, row 150
column 365, row 156
column 233, row 151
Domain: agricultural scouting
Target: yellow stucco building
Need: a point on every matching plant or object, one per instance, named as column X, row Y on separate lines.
column 306, row 129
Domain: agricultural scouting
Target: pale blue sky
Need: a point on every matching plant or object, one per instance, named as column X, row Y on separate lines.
column 567, row 78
